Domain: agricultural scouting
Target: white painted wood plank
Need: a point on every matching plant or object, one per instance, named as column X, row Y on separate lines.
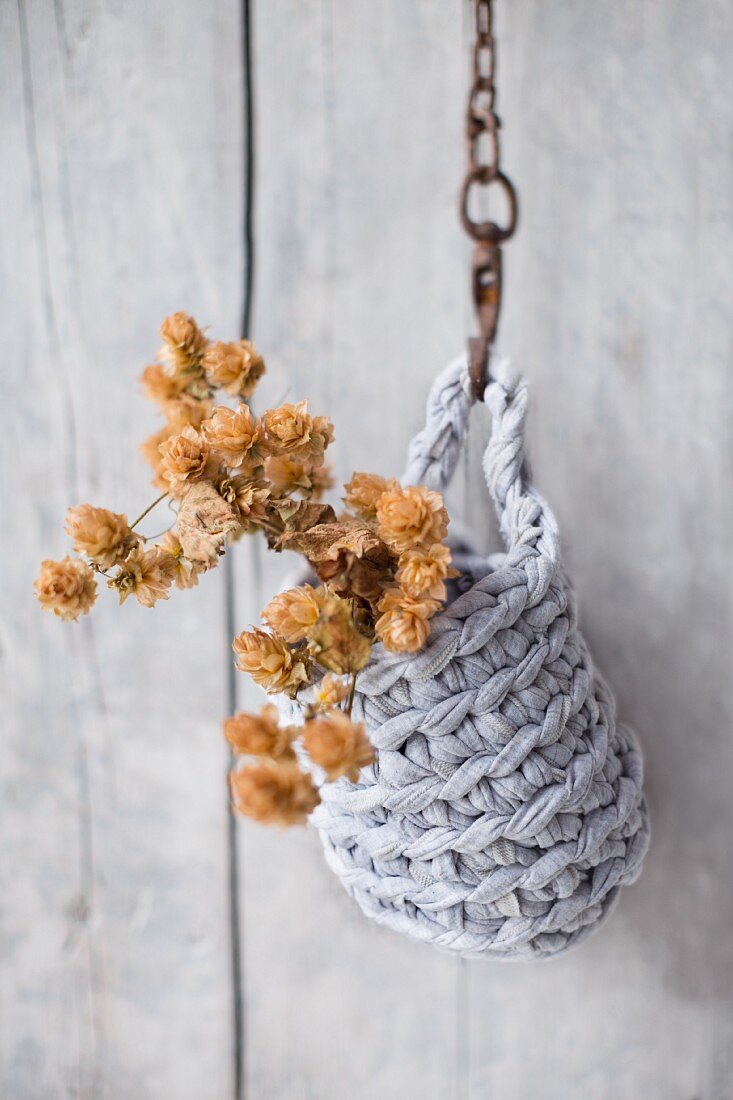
column 124, row 203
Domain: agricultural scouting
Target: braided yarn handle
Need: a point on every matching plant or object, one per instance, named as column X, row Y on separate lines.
column 505, row 808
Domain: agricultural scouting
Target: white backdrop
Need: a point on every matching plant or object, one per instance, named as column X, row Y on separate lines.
column 122, row 199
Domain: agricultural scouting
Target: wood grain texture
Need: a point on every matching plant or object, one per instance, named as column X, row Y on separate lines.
column 123, row 200
column 115, row 938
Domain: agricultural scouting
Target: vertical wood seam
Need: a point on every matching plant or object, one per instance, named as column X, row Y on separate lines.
column 235, row 882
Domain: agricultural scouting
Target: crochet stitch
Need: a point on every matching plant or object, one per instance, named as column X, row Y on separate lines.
column 505, row 809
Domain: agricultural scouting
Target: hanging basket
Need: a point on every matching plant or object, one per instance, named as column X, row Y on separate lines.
column 505, row 808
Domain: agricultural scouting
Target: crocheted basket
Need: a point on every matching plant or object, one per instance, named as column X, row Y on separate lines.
column 505, row 809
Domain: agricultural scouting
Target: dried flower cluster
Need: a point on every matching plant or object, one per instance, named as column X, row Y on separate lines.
column 273, row 787
column 381, row 565
column 209, row 461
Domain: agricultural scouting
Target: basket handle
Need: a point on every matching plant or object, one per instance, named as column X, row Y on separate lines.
column 527, row 524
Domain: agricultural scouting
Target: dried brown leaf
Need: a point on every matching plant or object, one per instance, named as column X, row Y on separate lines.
column 204, row 521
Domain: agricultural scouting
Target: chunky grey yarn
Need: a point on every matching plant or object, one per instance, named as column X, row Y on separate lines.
column 505, row 810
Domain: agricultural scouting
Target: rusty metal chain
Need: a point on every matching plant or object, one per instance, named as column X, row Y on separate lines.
column 482, row 137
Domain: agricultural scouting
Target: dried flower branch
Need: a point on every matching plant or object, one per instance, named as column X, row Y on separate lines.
column 382, row 566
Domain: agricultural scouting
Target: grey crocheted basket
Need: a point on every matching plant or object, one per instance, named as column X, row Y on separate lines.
column 505, row 809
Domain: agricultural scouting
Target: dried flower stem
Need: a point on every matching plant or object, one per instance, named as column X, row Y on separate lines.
column 352, row 691
column 148, row 509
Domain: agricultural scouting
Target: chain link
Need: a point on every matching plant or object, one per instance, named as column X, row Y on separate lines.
column 482, row 139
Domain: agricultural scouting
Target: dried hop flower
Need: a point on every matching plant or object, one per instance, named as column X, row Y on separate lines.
column 247, row 497
column 189, row 412
column 260, row 734
column 338, row 745
column 330, row 691
column 184, row 345
column 403, row 625
column 411, row 517
column 424, row 572
column 270, row 662
column 103, row 536
column 335, row 641
column 67, row 587
column 161, row 387
column 145, row 574
column 364, row 491
column 235, row 368
column 235, row 435
column 287, row 474
column 294, row 613
column 184, row 458
column 274, row 792
column 290, row 429
column 186, row 572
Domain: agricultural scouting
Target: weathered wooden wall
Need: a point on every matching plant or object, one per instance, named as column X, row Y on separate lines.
column 124, row 155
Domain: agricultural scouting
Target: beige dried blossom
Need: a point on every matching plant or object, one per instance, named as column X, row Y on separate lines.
column 188, row 412
column 330, row 691
column 292, row 614
column 260, row 734
column 103, row 536
column 335, row 641
column 274, row 792
column 187, row 572
column 249, row 498
column 205, row 520
column 235, row 367
column 145, row 574
column 287, row 474
column 184, row 345
column 67, row 587
column 235, row 435
column 404, row 623
column 424, row 572
column 363, row 492
column 185, row 457
column 270, row 662
column 290, row 429
column 161, row 387
column 412, row 517
column 338, row 745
